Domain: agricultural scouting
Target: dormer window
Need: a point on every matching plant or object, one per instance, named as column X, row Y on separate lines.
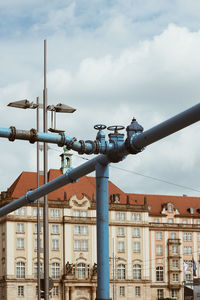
column 170, row 208
column 191, row 210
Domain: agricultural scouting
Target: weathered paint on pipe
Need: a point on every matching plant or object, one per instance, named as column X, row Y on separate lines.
column 53, row 185
column 102, row 202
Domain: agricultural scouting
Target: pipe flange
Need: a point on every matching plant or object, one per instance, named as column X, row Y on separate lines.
column 97, row 147
column 70, row 144
column 62, row 141
column 82, row 150
column 33, row 136
column 93, row 146
column 12, row 134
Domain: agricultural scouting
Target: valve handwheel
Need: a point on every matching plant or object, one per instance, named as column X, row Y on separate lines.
column 116, row 128
column 99, row 126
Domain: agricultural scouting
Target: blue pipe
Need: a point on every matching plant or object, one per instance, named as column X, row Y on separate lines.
column 102, row 202
column 53, row 185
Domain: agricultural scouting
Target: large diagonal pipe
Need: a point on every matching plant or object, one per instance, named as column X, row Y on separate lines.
column 55, row 184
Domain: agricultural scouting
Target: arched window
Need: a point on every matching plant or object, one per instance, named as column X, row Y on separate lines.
column 55, row 270
column 137, row 271
column 170, row 207
column 159, row 273
column 81, row 271
column 20, row 269
column 121, row 271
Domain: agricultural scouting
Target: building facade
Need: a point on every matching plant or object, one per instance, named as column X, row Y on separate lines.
column 154, row 243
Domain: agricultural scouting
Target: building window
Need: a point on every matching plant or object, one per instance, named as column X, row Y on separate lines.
column 170, row 208
column 158, row 236
column 156, row 220
column 184, row 221
column 122, row 291
column 187, row 250
column 136, row 247
column 188, row 276
column 35, row 244
column 175, row 276
column 120, row 231
column 55, row 213
column 55, row 270
column 174, row 293
column 120, row 216
column 198, row 222
column 198, row 250
column 173, row 235
column 121, row 271
column 159, row 250
column 160, row 293
column 121, row 246
column 136, row 232
column 55, row 229
column 80, row 213
column 55, row 244
column 136, row 216
column 174, row 249
column 20, row 290
column 170, row 220
column 35, row 269
column 20, row 228
column 175, row 263
column 198, row 236
column 20, row 243
column 137, row 271
column 20, row 269
column 159, row 273
column 81, row 271
column 20, row 211
column 56, row 291
column 137, row 291
column 187, row 236
column 35, row 228
column 80, row 229
column 35, row 211
column 81, row 245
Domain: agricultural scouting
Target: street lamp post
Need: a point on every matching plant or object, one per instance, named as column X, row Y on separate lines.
column 26, row 104
column 61, row 108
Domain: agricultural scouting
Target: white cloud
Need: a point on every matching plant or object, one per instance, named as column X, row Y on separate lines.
column 111, row 63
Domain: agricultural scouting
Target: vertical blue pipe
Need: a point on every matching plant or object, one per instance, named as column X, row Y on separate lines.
column 103, row 278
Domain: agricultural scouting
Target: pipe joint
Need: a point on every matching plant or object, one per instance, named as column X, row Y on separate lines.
column 62, row 141
column 92, row 147
column 70, row 144
column 68, row 175
column 12, row 135
column 33, row 136
column 27, row 196
column 83, row 147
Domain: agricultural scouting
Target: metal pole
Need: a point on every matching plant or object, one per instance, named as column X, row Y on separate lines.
column 38, row 205
column 46, row 225
column 103, row 279
column 113, row 269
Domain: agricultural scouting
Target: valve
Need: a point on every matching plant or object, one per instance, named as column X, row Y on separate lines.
column 132, row 130
column 100, row 134
column 116, row 136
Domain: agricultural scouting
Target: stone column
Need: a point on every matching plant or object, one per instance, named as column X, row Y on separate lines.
column 72, row 291
column 93, row 293
column 66, row 293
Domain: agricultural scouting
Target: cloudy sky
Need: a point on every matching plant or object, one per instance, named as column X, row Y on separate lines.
column 111, row 60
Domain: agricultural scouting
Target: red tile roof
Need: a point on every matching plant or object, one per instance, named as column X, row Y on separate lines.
column 87, row 185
